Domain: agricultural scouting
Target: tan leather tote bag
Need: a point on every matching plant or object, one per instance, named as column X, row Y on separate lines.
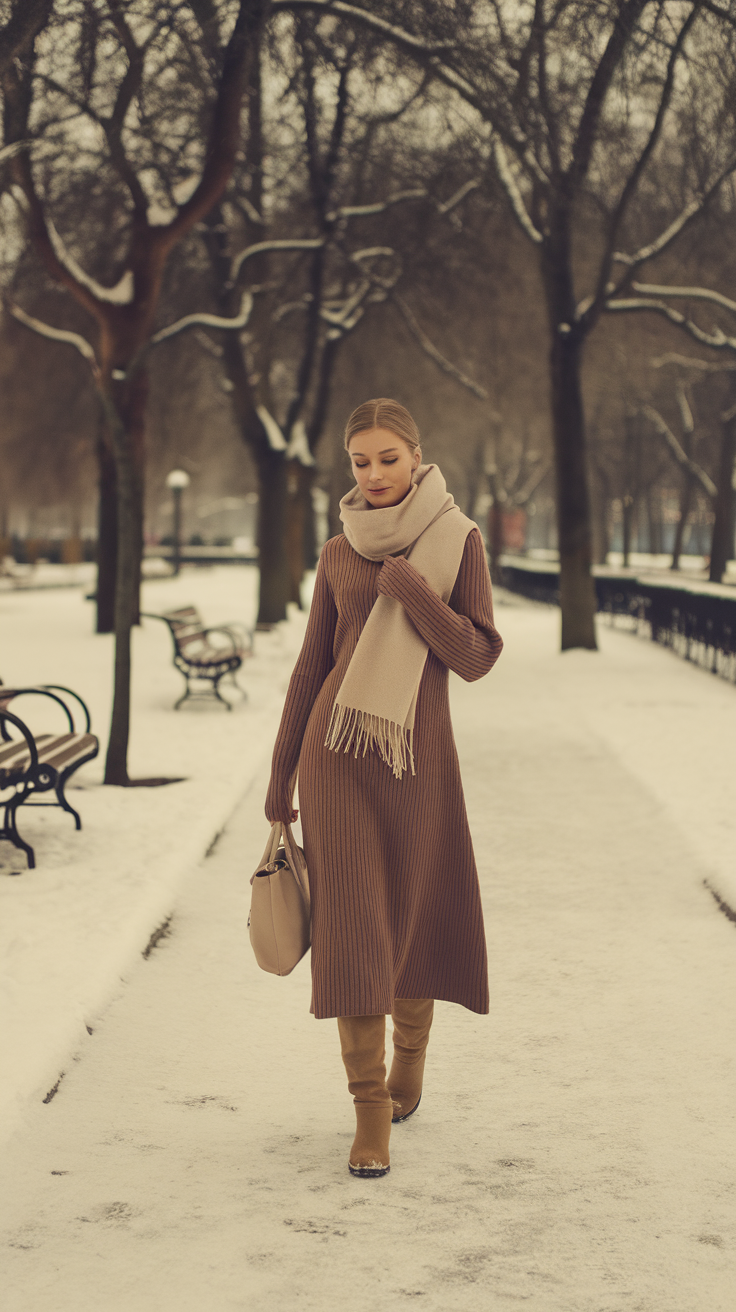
column 279, row 920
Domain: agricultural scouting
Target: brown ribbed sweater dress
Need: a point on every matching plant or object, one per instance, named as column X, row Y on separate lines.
column 396, row 908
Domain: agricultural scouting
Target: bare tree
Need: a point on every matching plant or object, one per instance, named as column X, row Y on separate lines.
column 720, row 494
column 313, row 287
column 125, row 313
column 564, row 88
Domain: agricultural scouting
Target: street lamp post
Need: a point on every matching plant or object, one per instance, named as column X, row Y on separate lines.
column 177, row 480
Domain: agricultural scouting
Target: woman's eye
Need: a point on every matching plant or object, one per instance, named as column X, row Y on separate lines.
column 390, row 462
column 357, row 466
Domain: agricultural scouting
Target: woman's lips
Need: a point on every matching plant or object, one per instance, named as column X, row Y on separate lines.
column 374, row 491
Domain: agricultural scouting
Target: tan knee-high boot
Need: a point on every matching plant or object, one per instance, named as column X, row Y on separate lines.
column 412, row 1019
column 363, row 1042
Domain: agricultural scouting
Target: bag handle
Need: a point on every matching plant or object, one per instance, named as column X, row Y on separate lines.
column 272, row 846
column 296, row 861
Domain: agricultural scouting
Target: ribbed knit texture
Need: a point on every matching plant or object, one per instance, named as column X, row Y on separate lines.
column 396, row 908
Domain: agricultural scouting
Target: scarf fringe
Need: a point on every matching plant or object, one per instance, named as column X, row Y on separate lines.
column 350, row 728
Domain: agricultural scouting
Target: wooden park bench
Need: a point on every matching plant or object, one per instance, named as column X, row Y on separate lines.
column 199, row 659
column 32, row 763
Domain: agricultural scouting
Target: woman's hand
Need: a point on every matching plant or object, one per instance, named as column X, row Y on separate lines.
column 387, row 573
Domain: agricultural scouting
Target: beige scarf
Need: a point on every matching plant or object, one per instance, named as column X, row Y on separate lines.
column 375, row 704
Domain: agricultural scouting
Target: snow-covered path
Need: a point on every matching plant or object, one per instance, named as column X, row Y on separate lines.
column 574, row 1150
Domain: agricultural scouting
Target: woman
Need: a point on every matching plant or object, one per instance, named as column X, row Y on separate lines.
column 401, row 597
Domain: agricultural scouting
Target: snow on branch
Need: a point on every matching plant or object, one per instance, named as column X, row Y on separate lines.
column 370, row 253
column 664, row 238
column 431, row 350
column 206, row 321
column 260, row 247
column 693, row 362
column 276, row 439
column 689, row 293
column 508, row 182
column 360, row 211
column 716, row 339
column 12, row 149
column 686, row 414
column 459, row 195
column 120, row 294
column 298, row 448
column 350, row 310
column 56, row 334
column 683, row 460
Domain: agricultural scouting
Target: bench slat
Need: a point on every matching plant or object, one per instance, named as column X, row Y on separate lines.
column 55, row 750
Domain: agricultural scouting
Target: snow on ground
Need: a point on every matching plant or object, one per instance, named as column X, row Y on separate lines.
column 573, row 1151
column 671, row 724
column 71, row 927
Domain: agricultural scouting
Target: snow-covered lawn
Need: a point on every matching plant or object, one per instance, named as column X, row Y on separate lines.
column 71, row 927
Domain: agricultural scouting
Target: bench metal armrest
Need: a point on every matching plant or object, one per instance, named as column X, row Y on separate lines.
column 223, row 628
column 58, row 687
column 42, row 690
column 14, row 719
column 236, row 632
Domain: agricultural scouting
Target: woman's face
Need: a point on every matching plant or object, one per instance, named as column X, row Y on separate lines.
column 382, row 466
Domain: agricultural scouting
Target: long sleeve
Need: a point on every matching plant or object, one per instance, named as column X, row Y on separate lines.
column 461, row 632
column 312, row 667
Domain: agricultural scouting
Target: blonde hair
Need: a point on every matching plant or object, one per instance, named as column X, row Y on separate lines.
column 382, row 412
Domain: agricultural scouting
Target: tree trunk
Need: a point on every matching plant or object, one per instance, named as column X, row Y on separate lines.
column 107, row 532
column 309, row 536
column 686, row 497
column 722, row 544
column 299, row 526
column 274, row 565
column 577, row 589
column 127, row 424
column 495, row 530
column 627, row 510
column 654, row 524
column 294, row 530
column 126, row 594
column 601, row 499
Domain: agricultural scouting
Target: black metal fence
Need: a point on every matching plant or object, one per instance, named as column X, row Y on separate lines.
column 696, row 622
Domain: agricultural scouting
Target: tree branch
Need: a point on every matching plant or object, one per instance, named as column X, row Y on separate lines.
column 223, row 140
column 403, row 38
column 687, row 293
column 634, row 177
column 693, row 362
column 458, row 196
column 56, row 335
column 686, row 414
column 113, row 124
column 527, row 491
column 683, row 460
column 582, row 149
column 361, row 211
column 206, row 321
column 287, row 244
column 508, row 182
column 431, row 350
column 717, row 339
